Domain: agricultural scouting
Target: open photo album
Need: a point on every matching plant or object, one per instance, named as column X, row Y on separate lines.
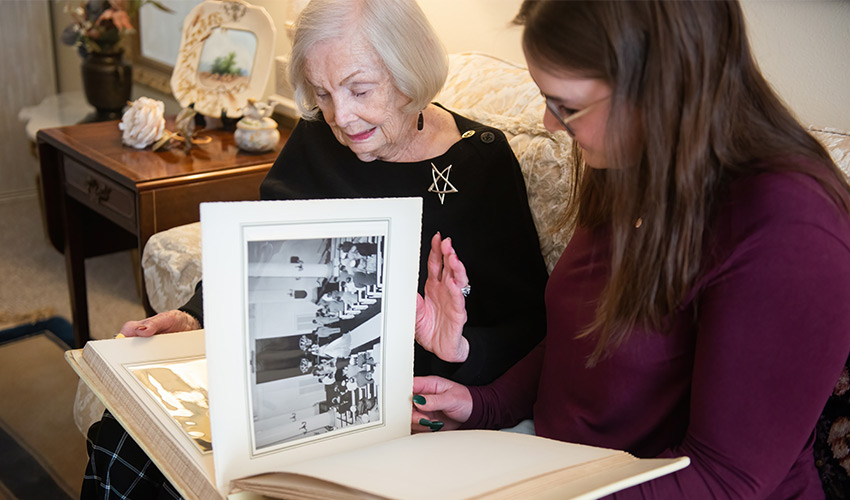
column 300, row 385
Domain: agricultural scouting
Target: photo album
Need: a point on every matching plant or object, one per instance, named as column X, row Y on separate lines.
column 300, row 385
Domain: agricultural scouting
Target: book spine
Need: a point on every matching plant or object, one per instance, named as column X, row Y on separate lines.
column 171, row 458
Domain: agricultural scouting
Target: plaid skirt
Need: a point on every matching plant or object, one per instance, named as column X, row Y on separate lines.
column 118, row 468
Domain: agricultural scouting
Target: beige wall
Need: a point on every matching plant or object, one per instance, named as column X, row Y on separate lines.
column 67, row 59
column 802, row 46
column 27, row 77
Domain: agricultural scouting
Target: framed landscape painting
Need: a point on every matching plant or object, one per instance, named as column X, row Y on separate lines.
column 226, row 53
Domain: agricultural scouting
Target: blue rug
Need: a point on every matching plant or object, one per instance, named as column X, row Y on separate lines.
column 59, row 326
column 35, row 414
column 24, row 476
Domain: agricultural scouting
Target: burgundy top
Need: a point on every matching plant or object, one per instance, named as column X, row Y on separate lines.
column 738, row 390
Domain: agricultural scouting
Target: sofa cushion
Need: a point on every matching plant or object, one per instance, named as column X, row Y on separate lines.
column 503, row 95
column 837, row 143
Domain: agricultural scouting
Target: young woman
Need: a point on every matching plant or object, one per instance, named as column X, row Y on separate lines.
column 700, row 309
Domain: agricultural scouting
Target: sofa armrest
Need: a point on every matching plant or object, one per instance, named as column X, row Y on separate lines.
column 171, row 262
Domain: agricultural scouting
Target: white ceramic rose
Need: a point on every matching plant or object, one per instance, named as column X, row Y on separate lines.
column 143, row 123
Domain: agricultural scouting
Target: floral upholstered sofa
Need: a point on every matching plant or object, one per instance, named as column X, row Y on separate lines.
column 501, row 94
column 484, row 88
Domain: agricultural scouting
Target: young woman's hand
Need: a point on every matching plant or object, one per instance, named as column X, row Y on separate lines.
column 441, row 313
column 439, row 403
column 164, row 322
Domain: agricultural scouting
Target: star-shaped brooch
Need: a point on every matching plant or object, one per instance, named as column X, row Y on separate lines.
column 443, row 176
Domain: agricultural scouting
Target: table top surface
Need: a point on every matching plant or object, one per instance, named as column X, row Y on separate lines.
column 56, row 110
column 99, row 145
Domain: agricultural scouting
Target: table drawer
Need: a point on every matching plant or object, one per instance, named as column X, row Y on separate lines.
column 104, row 195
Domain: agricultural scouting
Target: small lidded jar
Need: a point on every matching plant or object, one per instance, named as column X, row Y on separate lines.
column 256, row 132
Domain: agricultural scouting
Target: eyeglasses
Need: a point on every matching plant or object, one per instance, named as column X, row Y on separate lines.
column 565, row 116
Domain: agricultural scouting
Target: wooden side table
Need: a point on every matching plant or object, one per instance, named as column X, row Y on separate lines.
column 101, row 197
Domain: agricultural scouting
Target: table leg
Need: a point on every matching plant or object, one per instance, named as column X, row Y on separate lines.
column 147, row 228
column 75, row 268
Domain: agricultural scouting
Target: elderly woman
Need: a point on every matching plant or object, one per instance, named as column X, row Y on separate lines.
column 365, row 73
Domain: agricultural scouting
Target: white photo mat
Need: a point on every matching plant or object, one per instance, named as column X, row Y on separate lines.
column 256, row 292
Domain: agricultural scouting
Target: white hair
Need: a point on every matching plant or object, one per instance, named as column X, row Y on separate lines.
column 397, row 30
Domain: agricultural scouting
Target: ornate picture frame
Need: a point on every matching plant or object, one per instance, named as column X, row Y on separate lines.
column 226, row 54
column 156, row 43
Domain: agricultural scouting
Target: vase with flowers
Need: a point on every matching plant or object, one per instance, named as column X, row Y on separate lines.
column 99, row 29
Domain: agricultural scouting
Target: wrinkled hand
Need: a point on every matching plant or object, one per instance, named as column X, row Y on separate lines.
column 165, row 322
column 441, row 314
column 446, row 404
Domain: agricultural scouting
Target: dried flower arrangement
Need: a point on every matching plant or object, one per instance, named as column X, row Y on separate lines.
column 100, row 26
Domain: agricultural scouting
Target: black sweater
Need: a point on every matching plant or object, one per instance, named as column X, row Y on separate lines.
column 488, row 220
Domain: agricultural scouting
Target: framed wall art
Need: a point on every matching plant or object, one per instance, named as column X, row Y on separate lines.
column 226, row 54
column 156, row 42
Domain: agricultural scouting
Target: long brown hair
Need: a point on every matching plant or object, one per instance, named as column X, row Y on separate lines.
column 689, row 111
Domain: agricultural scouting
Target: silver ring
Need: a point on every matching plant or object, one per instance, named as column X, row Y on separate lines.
column 465, row 290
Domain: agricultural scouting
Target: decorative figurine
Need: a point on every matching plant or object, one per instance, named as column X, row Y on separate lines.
column 257, row 132
column 188, row 123
column 143, row 123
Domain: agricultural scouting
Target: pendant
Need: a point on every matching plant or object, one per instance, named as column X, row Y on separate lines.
column 441, row 176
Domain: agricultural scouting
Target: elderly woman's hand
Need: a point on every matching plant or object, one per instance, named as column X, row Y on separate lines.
column 439, row 403
column 441, row 314
column 165, row 322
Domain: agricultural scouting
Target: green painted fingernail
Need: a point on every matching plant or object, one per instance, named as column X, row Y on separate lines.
column 425, row 422
column 436, row 425
column 420, row 400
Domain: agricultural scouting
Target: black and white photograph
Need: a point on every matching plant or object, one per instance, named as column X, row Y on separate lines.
column 309, row 315
column 315, row 329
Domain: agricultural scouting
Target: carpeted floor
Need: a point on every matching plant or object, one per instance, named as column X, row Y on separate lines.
column 42, row 453
column 34, row 284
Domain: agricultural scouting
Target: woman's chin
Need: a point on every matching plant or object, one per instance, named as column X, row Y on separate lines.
column 360, row 150
column 593, row 161
column 365, row 157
